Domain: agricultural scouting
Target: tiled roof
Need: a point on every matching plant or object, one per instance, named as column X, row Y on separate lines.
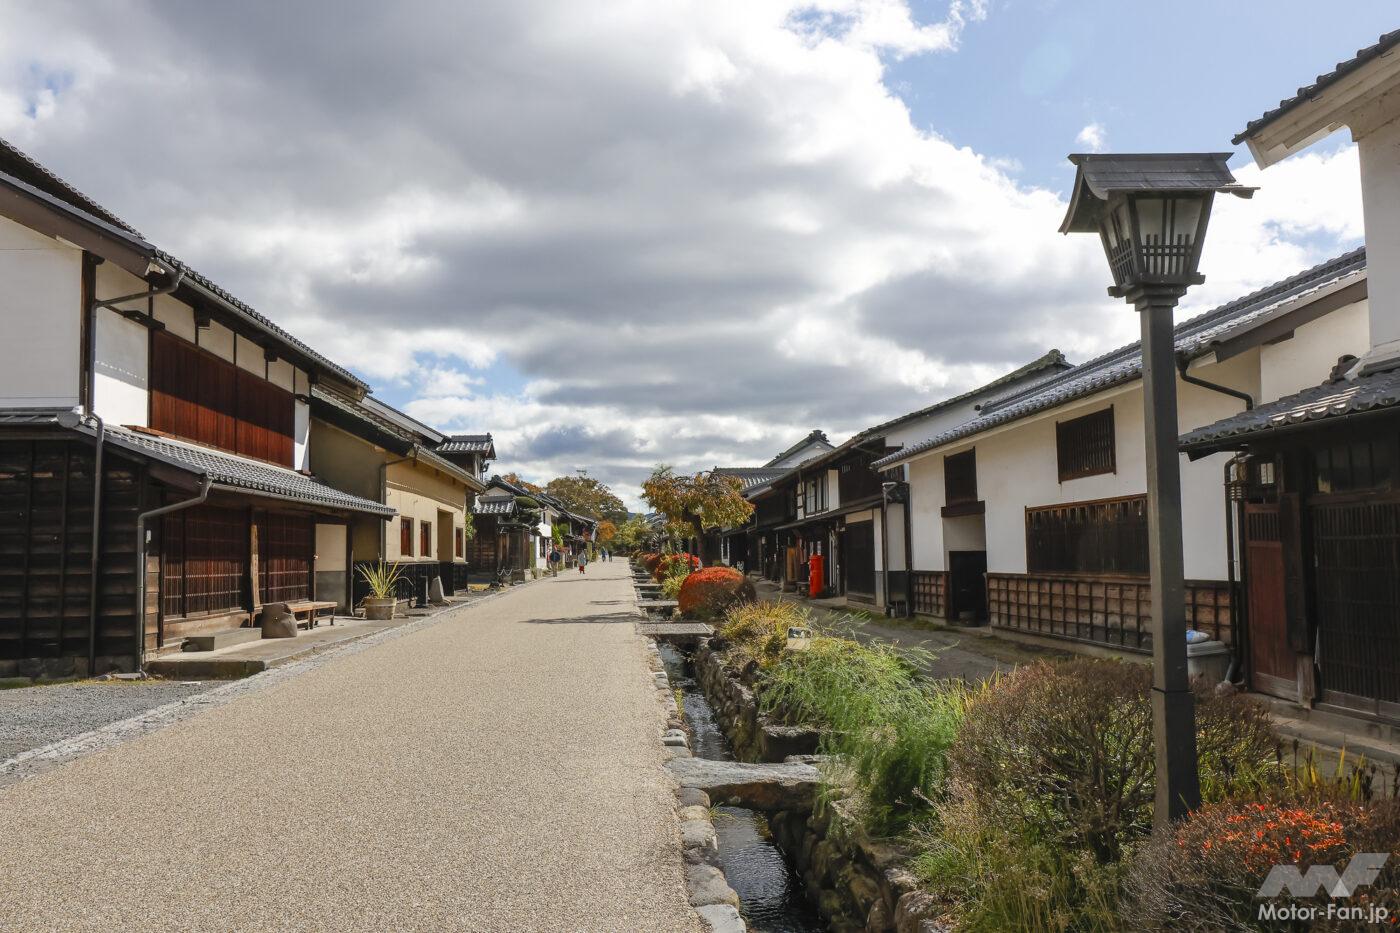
column 16, row 162
column 1308, row 91
column 467, row 444
column 252, row 476
column 753, row 476
column 816, row 437
column 1328, row 401
column 366, row 415
column 18, row 165
column 1193, row 338
column 494, row 506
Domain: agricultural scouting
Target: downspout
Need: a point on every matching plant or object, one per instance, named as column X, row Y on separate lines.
column 1238, row 629
column 885, row 545
column 1182, row 362
column 207, row 481
column 90, row 412
column 908, row 551
column 93, row 588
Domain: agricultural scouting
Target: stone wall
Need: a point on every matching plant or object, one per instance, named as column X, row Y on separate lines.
column 856, row 883
column 750, row 733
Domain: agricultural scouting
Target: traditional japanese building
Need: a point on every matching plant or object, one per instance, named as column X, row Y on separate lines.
column 1046, row 487
column 1314, row 487
column 155, row 480
column 369, row 448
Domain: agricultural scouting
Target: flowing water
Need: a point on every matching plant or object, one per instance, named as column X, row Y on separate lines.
column 770, row 893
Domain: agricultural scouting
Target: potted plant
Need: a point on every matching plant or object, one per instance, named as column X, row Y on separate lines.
column 381, row 578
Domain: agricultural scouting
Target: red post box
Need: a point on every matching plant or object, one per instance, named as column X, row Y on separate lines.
column 816, row 575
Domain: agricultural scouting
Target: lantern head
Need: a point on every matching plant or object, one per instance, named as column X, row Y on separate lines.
column 1150, row 210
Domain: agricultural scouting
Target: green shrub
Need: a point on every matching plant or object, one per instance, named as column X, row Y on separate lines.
column 706, row 594
column 994, row 879
column 1204, row 875
column 1064, row 752
column 890, row 727
column 757, row 631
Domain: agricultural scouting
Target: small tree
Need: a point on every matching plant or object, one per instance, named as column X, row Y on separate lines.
column 606, row 531
column 702, row 502
column 585, row 494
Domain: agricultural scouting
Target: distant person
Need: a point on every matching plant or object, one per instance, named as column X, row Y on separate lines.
column 583, row 562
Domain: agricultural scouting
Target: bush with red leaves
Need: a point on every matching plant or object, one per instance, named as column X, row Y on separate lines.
column 1204, row 875
column 662, row 570
column 706, row 594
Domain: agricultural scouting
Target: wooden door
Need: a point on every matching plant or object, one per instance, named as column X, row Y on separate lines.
column 860, row 559
column 1272, row 662
column 967, row 584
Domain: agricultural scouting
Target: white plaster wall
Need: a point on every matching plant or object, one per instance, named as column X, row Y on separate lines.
column 964, row 533
column 177, row 317
column 926, row 495
column 1380, row 193
column 40, row 319
column 1306, row 359
column 282, row 373
column 122, row 395
column 1016, row 469
column 250, row 356
column 833, row 489
column 301, row 439
column 330, row 547
column 218, row 340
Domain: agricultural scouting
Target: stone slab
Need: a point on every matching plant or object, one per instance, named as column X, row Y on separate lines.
column 245, row 660
column 236, row 636
column 786, row 786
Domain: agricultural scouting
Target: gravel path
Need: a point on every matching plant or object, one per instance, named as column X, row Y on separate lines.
column 499, row 771
column 35, row 716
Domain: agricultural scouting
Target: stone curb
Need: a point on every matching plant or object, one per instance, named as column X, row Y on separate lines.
column 36, row 761
column 715, row 902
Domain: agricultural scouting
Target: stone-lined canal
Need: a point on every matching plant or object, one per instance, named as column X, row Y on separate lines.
column 770, row 893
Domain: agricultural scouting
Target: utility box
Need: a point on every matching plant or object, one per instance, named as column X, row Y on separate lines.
column 1209, row 660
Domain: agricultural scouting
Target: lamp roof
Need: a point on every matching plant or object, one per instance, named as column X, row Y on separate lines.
column 1104, row 175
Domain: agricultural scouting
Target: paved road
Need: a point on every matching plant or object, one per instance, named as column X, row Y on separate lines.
column 498, row 771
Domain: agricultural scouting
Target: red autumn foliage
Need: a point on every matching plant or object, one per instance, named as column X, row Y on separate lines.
column 649, row 560
column 663, row 567
column 1205, row 874
column 707, row 593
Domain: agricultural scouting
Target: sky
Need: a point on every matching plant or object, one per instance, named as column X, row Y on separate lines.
column 688, row 231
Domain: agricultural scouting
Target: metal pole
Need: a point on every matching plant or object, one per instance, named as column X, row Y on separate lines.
column 1173, row 707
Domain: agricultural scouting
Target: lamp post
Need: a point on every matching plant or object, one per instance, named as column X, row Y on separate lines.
column 1151, row 211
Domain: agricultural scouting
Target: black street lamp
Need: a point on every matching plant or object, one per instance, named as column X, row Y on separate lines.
column 1151, row 211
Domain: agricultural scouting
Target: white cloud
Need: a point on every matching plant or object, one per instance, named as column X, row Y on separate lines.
column 1093, row 137
column 695, row 230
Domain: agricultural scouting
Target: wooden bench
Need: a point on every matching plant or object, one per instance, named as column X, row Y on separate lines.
column 308, row 611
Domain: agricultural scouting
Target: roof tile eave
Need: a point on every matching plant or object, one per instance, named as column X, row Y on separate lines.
column 1124, row 364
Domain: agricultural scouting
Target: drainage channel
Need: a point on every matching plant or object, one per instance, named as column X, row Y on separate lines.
column 771, row 896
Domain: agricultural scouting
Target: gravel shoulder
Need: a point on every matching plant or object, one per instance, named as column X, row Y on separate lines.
column 31, row 717
column 499, row 770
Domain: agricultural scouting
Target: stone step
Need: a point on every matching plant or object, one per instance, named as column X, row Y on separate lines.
column 769, row 787
column 235, row 636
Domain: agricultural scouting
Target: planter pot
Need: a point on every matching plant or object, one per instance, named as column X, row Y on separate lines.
column 380, row 609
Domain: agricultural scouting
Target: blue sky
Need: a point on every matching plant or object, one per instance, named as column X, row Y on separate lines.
column 1182, row 75
column 685, row 232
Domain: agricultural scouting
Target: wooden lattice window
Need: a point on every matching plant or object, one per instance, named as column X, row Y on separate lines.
column 286, row 549
column 1106, row 536
column 1084, row 446
column 459, row 542
column 205, row 561
column 425, row 539
column 406, row 537
column 960, row 478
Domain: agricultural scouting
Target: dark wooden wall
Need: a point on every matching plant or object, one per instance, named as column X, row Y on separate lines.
column 197, row 395
column 46, row 491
